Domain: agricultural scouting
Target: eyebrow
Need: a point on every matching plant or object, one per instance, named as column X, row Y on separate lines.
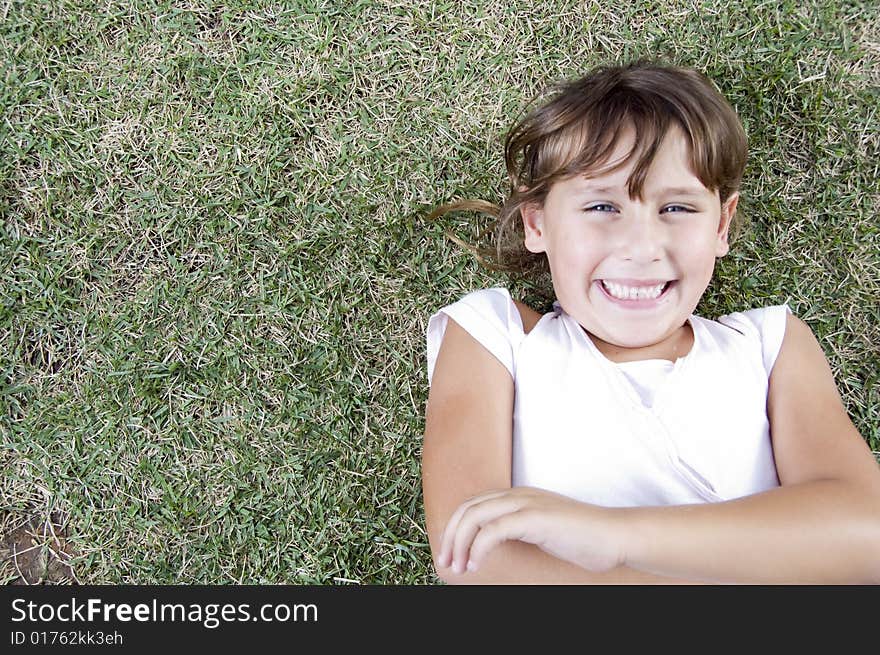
column 673, row 191
column 684, row 191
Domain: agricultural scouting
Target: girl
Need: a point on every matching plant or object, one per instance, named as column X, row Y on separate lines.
column 621, row 438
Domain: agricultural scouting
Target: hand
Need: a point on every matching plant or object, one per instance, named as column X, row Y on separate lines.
column 576, row 532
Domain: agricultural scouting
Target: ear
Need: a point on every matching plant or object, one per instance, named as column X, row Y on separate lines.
column 728, row 209
column 533, row 226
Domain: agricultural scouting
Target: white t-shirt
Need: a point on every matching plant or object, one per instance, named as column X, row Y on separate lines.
column 641, row 433
column 646, row 376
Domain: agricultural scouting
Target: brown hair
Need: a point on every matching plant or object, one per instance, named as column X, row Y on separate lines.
column 575, row 132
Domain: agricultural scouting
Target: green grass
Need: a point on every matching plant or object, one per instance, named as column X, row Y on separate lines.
column 215, row 273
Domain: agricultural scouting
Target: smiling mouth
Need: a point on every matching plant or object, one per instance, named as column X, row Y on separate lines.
column 650, row 291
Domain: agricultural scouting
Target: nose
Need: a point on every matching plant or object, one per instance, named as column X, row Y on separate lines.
column 643, row 238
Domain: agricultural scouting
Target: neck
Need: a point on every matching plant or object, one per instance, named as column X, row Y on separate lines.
column 677, row 345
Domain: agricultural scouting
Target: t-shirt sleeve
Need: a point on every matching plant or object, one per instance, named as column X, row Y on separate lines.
column 489, row 316
column 767, row 324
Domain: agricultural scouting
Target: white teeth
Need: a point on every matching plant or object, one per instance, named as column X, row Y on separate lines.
column 633, row 293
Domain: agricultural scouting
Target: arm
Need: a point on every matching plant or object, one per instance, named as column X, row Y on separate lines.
column 821, row 526
column 467, row 450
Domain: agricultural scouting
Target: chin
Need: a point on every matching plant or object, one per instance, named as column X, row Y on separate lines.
column 623, row 340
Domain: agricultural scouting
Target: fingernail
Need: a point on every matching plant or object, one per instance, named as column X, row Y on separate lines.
column 471, row 565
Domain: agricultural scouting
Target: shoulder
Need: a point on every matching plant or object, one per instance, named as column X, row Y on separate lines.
column 801, row 352
column 490, row 317
column 763, row 327
column 499, row 301
column 756, row 320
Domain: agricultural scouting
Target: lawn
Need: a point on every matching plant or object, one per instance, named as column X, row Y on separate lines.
column 216, row 272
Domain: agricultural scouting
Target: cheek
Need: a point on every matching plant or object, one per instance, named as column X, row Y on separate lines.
column 697, row 249
column 701, row 262
column 572, row 264
column 574, row 248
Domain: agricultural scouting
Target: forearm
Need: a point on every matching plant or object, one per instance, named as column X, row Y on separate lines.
column 816, row 532
column 514, row 562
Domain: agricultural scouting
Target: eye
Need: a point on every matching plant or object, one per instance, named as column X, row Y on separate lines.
column 601, row 207
column 670, row 209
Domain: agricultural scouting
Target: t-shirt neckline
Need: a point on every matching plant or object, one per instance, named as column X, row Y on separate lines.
column 613, row 370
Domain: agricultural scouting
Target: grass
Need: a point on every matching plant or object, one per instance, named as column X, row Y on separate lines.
column 216, row 273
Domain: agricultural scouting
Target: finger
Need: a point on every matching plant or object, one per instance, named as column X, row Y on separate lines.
column 514, row 526
column 472, row 521
column 447, row 539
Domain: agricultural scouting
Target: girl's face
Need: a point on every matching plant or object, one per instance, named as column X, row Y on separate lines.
column 631, row 271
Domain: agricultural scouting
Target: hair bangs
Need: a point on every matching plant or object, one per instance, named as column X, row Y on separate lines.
column 649, row 128
column 584, row 147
